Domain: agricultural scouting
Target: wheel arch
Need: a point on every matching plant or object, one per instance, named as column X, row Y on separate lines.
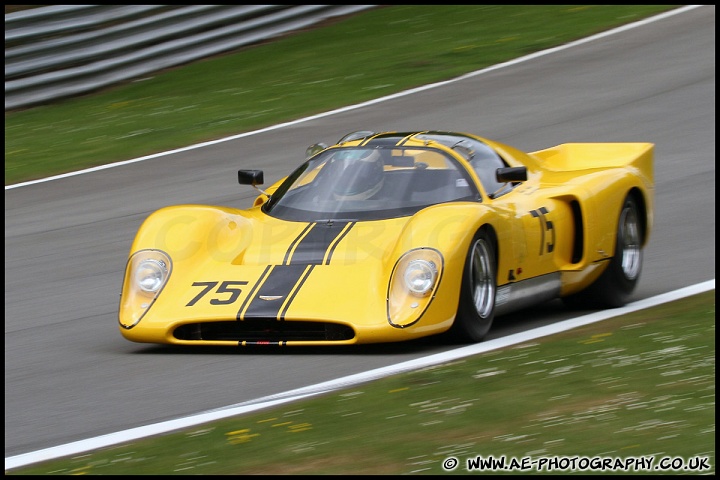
column 637, row 195
column 476, row 306
column 492, row 233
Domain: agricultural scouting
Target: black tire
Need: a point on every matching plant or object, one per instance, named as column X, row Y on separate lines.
column 476, row 309
column 614, row 287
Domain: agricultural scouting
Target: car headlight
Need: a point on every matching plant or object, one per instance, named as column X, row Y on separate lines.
column 413, row 283
column 146, row 274
column 420, row 276
column 150, row 275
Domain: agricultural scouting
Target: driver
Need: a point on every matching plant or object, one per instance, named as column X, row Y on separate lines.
column 359, row 174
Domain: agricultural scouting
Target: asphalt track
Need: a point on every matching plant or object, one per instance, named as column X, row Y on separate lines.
column 70, row 376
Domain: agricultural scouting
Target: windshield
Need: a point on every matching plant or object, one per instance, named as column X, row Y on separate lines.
column 361, row 183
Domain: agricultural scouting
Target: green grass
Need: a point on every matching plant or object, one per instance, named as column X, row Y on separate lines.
column 640, row 385
column 366, row 56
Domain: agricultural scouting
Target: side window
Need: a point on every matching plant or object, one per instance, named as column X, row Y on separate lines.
column 485, row 162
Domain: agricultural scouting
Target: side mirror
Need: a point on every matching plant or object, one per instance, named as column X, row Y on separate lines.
column 511, row 174
column 250, row 177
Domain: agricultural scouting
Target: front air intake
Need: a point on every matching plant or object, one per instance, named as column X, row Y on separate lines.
column 258, row 330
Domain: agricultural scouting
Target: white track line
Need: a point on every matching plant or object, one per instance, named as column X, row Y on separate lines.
column 344, row 382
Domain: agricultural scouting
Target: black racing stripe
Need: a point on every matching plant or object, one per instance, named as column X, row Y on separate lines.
column 286, row 260
column 254, row 290
column 279, row 284
column 298, row 286
column 312, row 248
column 337, row 240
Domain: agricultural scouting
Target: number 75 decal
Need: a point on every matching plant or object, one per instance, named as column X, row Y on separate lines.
column 227, row 287
column 546, row 228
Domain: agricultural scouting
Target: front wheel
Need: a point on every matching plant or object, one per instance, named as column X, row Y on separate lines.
column 617, row 282
column 476, row 309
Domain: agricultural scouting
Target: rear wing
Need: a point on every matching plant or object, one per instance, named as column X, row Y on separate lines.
column 586, row 156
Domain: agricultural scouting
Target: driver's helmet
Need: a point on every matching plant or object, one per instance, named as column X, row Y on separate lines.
column 358, row 174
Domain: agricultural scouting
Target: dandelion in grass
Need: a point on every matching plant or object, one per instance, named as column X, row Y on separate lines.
column 300, row 427
column 80, row 471
column 598, row 337
column 240, row 436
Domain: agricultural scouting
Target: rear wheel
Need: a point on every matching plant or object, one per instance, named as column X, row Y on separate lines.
column 617, row 282
column 477, row 295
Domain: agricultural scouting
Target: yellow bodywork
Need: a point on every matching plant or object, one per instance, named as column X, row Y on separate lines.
column 230, row 265
column 224, row 245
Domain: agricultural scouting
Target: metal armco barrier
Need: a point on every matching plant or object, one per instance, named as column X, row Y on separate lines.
column 60, row 51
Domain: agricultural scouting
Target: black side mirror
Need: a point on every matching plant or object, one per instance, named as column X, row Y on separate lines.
column 250, row 177
column 511, row 174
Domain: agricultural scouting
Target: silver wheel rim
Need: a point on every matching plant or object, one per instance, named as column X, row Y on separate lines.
column 630, row 237
column 483, row 286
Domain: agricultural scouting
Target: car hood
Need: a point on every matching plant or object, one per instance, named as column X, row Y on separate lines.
column 196, row 236
column 269, row 241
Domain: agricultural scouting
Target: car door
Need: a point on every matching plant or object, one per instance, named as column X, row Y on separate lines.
column 531, row 219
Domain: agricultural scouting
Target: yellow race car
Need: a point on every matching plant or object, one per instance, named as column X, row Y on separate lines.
column 393, row 236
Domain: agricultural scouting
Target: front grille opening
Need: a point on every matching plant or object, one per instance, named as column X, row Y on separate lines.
column 257, row 329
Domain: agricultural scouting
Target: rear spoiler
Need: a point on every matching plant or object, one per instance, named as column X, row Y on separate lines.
column 584, row 156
